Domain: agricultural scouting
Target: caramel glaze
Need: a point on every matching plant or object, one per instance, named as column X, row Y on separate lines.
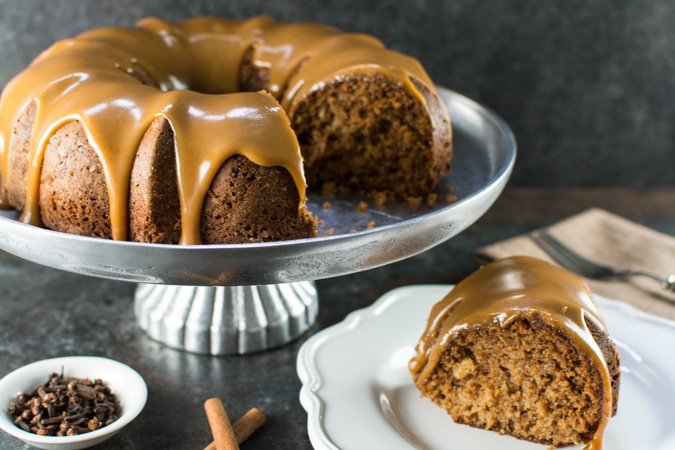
column 194, row 67
column 498, row 292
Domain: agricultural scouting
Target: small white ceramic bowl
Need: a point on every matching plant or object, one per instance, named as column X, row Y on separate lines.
column 123, row 381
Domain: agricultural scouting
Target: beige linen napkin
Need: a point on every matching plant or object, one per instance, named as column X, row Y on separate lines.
column 611, row 240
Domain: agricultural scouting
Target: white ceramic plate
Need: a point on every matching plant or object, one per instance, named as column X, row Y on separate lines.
column 358, row 393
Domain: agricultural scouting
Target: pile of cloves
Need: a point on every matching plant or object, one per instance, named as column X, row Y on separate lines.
column 65, row 407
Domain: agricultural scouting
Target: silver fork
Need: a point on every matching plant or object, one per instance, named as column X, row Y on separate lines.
column 578, row 264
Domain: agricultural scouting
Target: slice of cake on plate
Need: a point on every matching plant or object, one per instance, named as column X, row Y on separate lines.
column 520, row 347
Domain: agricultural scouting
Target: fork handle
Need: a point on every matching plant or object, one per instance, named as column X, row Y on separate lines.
column 668, row 283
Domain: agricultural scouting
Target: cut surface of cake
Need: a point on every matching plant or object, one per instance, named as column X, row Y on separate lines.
column 195, row 132
column 519, row 347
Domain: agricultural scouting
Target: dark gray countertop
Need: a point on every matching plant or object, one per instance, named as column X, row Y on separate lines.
column 46, row 313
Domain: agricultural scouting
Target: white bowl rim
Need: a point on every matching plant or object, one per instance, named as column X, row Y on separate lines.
column 133, row 379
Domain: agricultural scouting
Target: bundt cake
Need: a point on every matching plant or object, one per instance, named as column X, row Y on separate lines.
column 520, row 347
column 195, row 132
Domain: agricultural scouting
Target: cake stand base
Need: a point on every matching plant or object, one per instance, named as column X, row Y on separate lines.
column 226, row 320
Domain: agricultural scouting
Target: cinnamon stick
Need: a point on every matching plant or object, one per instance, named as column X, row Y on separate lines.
column 221, row 428
column 245, row 426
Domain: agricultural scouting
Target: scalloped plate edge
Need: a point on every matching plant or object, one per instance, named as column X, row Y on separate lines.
column 311, row 379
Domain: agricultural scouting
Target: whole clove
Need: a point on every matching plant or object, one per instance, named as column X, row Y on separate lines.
column 65, row 407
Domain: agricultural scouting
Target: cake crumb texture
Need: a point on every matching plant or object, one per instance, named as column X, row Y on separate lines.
column 358, row 133
column 525, row 379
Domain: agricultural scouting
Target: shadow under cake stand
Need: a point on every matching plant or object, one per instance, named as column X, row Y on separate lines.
column 229, row 299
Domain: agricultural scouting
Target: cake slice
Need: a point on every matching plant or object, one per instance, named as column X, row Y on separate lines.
column 520, row 348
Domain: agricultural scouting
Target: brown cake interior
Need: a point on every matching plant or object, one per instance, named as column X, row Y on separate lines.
column 368, row 134
column 525, row 379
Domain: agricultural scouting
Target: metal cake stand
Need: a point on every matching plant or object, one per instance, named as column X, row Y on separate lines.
column 229, row 299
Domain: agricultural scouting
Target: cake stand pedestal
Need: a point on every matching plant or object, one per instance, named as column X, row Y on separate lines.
column 226, row 320
column 244, row 298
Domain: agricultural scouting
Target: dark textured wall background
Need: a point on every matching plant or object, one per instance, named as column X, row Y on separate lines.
column 587, row 86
